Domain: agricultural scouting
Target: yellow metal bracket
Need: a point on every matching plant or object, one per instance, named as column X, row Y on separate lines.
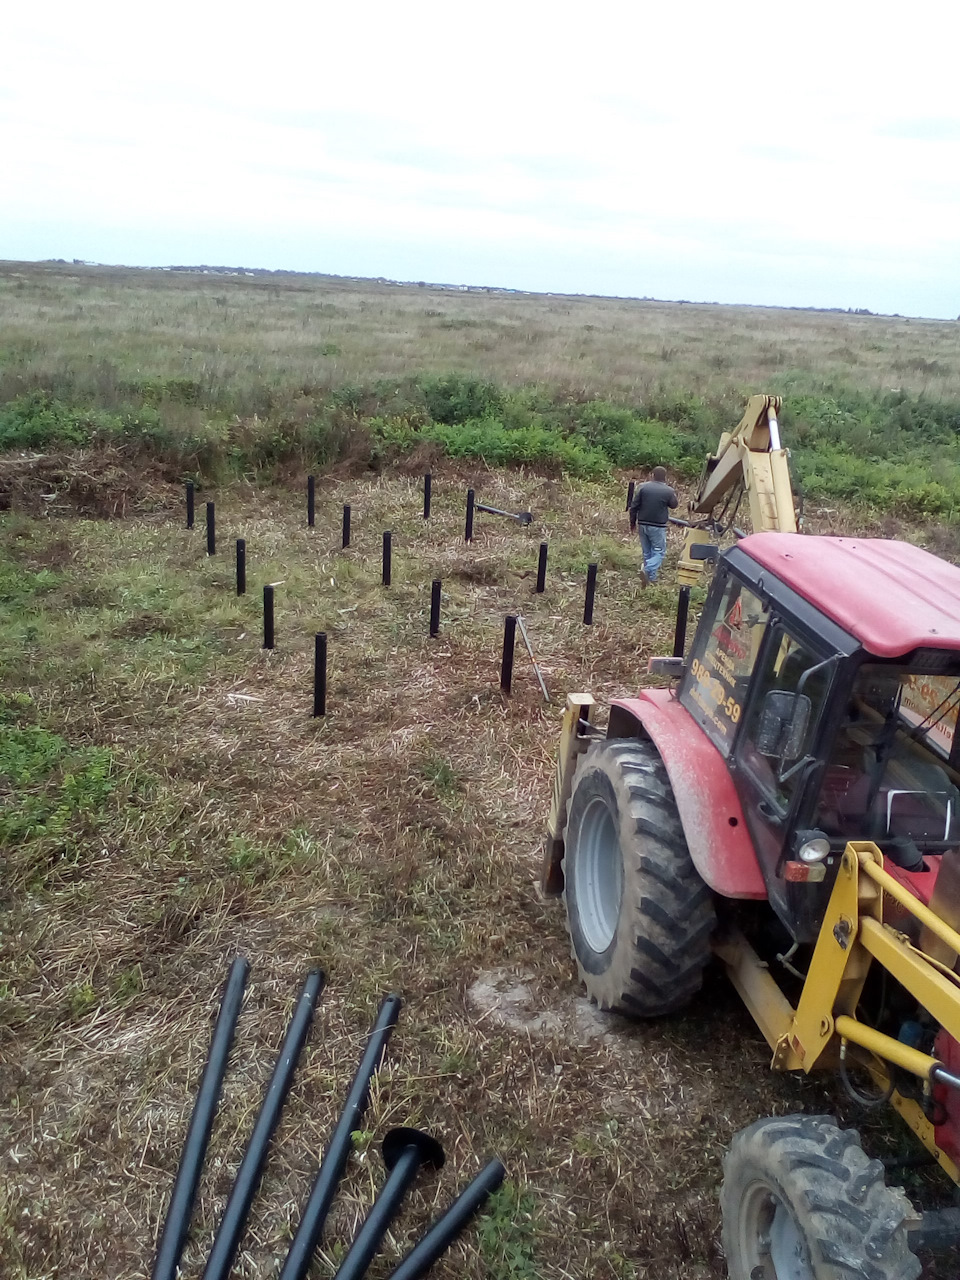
column 580, row 707
column 690, row 571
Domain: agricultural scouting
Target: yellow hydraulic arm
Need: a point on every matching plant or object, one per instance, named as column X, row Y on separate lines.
column 752, row 458
column 826, row 1023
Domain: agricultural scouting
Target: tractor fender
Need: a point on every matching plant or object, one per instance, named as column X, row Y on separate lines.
column 709, row 806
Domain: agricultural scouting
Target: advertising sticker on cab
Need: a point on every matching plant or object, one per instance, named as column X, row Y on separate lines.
column 931, row 701
column 718, row 675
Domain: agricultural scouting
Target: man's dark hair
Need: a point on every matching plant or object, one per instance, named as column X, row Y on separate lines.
column 660, row 473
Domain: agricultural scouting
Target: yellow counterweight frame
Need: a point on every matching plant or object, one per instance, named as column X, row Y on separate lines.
column 852, row 938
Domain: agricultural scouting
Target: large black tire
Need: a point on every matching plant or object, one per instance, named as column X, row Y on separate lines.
column 639, row 915
column 801, row 1201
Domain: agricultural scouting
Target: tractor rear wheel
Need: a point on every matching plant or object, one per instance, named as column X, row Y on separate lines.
column 639, row 915
column 801, row 1201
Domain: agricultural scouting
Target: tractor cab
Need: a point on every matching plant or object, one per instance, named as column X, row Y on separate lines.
column 826, row 672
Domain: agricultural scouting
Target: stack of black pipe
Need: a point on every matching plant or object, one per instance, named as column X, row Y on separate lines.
column 405, row 1152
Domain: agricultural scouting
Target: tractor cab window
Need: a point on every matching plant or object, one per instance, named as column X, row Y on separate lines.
column 892, row 774
column 791, row 690
column 722, row 661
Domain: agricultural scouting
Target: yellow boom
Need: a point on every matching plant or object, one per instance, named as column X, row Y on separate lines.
column 752, row 459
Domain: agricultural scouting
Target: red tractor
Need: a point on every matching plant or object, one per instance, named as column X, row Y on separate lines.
column 792, row 807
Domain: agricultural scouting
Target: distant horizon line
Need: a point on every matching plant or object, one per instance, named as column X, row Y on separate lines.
column 208, row 269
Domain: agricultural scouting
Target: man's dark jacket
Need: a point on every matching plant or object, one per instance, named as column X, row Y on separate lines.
column 652, row 503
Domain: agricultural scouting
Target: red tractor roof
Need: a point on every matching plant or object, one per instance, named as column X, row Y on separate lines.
column 892, row 596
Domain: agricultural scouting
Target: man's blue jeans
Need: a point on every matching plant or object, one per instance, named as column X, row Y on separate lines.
column 653, row 542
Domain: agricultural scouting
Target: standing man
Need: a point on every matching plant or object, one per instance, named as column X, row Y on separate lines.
column 649, row 513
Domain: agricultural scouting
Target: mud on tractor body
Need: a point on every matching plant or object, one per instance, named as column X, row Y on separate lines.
column 800, row 781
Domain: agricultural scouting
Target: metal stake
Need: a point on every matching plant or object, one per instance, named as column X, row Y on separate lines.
column 542, row 568
column 268, row 617
column 338, row 1150
column 346, row 526
column 311, row 500
column 251, row 1166
column 445, row 1230
column 680, row 632
column 211, row 530
column 591, row 591
column 427, row 485
column 241, row 566
column 320, row 674
column 506, row 662
column 404, row 1151
column 468, row 525
column 184, row 1192
column 189, row 504
column 387, row 556
column 526, row 641
column 435, row 609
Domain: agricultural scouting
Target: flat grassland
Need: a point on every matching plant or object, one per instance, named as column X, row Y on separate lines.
column 238, row 333
column 169, row 801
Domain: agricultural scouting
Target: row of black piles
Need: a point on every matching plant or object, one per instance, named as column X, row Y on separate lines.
column 405, row 1152
column 522, row 517
column 511, row 621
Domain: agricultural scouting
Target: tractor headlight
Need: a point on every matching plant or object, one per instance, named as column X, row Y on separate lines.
column 812, row 846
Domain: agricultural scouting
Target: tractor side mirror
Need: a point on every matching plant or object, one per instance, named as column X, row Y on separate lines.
column 784, row 720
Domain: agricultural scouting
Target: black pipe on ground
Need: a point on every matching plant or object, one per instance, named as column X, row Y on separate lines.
column 522, row 517
column 404, row 1152
column 189, row 504
column 338, row 1149
column 311, row 500
column 211, row 529
column 234, row 1219
column 427, row 486
column 445, row 1230
column 241, row 566
column 184, row 1192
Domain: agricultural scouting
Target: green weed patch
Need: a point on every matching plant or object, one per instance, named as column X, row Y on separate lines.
column 53, row 795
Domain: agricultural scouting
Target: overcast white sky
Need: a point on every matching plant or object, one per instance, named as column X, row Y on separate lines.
column 796, row 155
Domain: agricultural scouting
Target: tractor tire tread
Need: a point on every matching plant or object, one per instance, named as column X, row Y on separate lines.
column 854, row 1226
column 662, row 944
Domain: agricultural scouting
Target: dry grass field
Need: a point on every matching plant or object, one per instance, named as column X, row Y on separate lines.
column 168, row 801
column 93, row 326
